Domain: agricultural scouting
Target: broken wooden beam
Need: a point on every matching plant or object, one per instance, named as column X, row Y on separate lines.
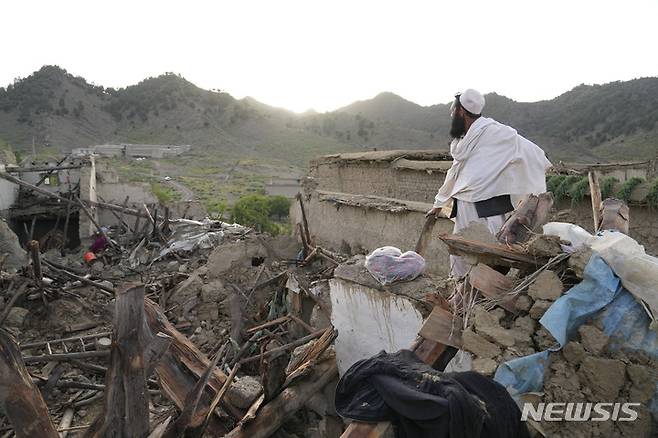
column 125, row 411
column 271, row 416
column 307, row 233
column 527, row 219
column 192, row 416
column 58, row 357
column 491, row 253
column 20, row 400
column 595, row 192
column 283, row 348
column 41, row 169
column 182, row 365
column 35, row 255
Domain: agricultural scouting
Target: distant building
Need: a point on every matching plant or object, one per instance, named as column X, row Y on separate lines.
column 288, row 187
column 129, row 150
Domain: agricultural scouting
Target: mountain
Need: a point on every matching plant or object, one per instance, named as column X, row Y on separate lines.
column 615, row 121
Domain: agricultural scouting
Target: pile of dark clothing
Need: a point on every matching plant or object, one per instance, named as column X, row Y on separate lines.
column 423, row 402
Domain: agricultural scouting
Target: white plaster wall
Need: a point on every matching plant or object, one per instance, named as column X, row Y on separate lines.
column 369, row 321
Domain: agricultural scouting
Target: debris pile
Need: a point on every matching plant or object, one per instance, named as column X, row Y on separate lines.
column 174, row 328
column 551, row 321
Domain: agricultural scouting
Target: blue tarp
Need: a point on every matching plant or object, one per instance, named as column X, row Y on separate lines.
column 600, row 295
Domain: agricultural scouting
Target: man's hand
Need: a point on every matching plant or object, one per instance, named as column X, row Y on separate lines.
column 437, row 212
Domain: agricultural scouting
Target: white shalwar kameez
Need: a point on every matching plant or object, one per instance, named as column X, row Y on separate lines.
column 491, row 160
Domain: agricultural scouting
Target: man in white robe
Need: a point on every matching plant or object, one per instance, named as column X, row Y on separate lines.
column 492, row 164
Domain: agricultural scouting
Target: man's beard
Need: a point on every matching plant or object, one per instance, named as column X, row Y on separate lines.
column 458, row 127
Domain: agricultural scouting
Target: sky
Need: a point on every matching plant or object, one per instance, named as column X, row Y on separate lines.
column 326, row 54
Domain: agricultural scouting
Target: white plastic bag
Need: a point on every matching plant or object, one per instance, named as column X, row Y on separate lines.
column 388, row 264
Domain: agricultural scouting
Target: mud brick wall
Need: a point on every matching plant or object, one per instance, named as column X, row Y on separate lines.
column 378, row 179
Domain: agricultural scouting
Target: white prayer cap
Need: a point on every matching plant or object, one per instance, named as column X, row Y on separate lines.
column 472, row 101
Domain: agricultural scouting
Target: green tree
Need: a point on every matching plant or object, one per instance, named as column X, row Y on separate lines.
column 254, row 211
column 261, row 212
column 279, row 207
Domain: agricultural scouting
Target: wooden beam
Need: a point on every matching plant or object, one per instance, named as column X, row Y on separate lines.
column 35, row 255
column 182, row 365
column 20, row 400
column 48, row 169
column 307, row 233
column 595, row 192
column 491, row 253
column 442, row 327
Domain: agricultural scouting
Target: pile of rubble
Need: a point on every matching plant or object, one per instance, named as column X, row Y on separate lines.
column 504, row 307
column 202, row 327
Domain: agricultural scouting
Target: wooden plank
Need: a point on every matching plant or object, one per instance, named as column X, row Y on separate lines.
column 492, row 284
column 442, row 327
column 595, row 192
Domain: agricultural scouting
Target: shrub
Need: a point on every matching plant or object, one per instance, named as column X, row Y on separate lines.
column 259, row 212
column 652, row 197
column 578, row 190
column 607, row 185
column 627, row 188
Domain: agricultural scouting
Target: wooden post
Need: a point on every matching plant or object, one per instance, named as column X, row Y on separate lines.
column 20, row 400
column 126, row 409
column 66, row 228
column 306, row 230
column 35, row 254
column 595, row 191
column 31, row 236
